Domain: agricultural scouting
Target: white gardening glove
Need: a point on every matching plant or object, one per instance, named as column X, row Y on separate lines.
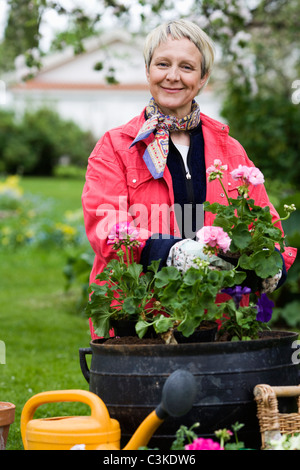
column 182, row 255
column 270, row 284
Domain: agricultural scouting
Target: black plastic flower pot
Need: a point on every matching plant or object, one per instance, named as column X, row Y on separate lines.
column 129, row 379
column 123, row 327
column 205, row 333
column 127, row 328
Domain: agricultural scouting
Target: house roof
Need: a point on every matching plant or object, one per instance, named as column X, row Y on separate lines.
column 116, row 50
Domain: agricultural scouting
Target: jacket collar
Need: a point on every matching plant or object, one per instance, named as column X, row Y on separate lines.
column 133, row 126
column 214, row 125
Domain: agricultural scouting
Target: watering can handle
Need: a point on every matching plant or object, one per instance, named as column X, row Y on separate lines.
column 83, row 364
column 98, row 409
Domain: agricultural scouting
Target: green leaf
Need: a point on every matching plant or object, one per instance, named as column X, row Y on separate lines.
column 235, row 280
column 241, row 236
column 191, row 276
column 130, row 305
column 135, row 270
column 264, row 264
column 168, row 295
column 245, row 262
column 165, row 275
column 154, row 266
column 102, row 325
column 188, row 326
column 97, row 289
column 141, row 328
column 162, row 324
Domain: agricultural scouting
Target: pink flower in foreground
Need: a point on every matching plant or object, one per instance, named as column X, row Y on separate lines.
column 203, row 444
column 255, row 176
column 122, row 231
column 214, row 237
column 249, row 175
column 216, row 170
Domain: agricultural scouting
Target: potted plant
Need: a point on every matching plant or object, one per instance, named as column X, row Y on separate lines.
column 124, row 296
column 173, row 304
column 7, row 417
column 167, row 302
column 190, row 299
column 255, row 240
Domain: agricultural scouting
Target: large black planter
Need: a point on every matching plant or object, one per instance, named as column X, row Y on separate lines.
column 129, row 379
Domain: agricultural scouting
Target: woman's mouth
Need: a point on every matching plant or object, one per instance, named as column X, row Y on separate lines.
column 171, row 90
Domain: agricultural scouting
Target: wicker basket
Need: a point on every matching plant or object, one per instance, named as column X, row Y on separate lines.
column 270, row 420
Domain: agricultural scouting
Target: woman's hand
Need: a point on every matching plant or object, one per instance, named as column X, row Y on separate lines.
column 183, row 254
column 271, row 283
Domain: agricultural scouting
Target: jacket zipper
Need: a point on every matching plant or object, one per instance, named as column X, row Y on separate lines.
column 188, row 175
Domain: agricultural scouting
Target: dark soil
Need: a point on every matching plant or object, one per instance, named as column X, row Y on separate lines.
column 136, row 340
column 133, row 340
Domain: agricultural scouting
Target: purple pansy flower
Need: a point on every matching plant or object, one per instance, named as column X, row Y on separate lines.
column 264, row 309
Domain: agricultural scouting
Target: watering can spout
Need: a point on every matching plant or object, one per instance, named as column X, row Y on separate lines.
column 178, row 396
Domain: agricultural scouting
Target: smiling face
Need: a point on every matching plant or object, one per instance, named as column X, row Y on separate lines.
column 174, row 76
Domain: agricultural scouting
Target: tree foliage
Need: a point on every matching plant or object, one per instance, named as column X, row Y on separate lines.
column 35, row 144
column 268, row 127
column 259, row 40
column 21, row 32
column 258, row 66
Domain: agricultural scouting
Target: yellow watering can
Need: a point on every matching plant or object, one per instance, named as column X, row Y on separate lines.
column 98, row 431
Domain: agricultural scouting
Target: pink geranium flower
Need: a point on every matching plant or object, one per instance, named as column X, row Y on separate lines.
column 214, row 237
column 249, row 175
column 122, row 231
column 216, row 170
column 203, row 444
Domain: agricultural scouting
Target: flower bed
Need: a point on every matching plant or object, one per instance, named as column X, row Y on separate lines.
column 29, row 220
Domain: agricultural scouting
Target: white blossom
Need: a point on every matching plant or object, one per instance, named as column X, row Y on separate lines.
column 218, row 15
column 244, row 11
column 237, row 40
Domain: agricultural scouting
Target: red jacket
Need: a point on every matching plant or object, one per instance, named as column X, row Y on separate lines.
column 120, row 187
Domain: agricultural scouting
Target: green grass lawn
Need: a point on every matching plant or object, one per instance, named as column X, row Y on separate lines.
column 65, row 193
column 41, row 325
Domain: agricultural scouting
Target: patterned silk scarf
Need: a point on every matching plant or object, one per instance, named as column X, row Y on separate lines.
column 156, row 153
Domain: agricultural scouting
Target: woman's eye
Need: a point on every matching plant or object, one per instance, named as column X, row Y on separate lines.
column 186, row 67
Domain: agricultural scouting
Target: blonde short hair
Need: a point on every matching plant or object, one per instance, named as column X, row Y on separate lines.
column 177, row 30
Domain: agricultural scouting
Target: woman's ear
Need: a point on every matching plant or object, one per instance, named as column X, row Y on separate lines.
column 147, row 72
column 203, row 82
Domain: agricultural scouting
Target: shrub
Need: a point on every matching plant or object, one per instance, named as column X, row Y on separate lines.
column 35, row 144
column 268, row 128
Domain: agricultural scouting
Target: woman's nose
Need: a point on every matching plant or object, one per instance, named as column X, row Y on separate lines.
column 173, row 74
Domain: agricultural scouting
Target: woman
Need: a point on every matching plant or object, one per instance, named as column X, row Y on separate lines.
column 152, row 171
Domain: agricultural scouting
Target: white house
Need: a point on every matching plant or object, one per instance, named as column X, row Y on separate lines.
column 70, row 84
